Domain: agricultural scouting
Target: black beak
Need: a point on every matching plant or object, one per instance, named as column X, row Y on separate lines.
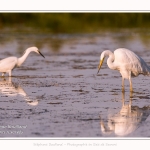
column 98, row 71
column 41, row 54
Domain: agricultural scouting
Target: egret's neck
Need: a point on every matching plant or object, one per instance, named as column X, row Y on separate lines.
column 23, row 58
column 110, row 60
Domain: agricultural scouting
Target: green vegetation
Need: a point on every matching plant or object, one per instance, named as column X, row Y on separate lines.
column 74, row 22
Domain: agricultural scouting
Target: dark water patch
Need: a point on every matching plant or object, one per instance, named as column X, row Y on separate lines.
column 29, row 77
column 55, row 103
column 141, row 93
column 81, row 91
column 116, row 76
column 36, row 133
column 90, row 119
column 105, row 74
column 106, row 107
column 98, row 90
column 31, row 101
column 77, row 76
column 28, row 68
column 75, row 101
column 85, row 92
column 114, row 90
column 4, row 96
column 57, row 76
column 144, row 97
column 79, row 67
column 79, row 61
column 100, row 74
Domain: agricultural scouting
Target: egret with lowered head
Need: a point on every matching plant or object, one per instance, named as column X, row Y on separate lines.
column 126, row 62
column 9, row 63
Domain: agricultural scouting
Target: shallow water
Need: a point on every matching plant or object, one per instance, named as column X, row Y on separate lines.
column 62, row 95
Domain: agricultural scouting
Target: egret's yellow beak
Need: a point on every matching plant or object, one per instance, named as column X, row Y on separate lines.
column 100, row 64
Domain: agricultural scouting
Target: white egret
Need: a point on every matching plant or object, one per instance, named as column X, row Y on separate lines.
column 9, row 63
column 126, row 62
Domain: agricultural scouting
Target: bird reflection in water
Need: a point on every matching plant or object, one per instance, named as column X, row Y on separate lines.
column 126, row 121
column 8, row 88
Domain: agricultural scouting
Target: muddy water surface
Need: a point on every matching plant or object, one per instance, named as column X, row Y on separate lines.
column 62, row 95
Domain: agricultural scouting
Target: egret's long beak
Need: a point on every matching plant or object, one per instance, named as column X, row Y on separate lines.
column 41, row 54
column 100, row 64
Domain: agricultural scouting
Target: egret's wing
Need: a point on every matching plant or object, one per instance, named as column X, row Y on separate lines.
column 8, row 64
column 130, row 61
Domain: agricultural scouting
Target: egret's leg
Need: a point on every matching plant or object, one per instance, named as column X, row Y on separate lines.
column 122, row 84
column 130, row 102
column 123, row 98
column 131, row 94
column 131, row 89
column 9, row 73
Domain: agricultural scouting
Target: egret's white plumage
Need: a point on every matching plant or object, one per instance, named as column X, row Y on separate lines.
column 8, row 64
column 126, row 62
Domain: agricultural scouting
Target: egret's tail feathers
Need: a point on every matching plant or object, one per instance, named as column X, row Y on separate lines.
column 145, row 69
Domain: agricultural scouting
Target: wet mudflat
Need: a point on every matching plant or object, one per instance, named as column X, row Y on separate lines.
column 62, row 95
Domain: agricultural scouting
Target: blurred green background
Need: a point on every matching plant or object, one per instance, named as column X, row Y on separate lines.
column 74, row 22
